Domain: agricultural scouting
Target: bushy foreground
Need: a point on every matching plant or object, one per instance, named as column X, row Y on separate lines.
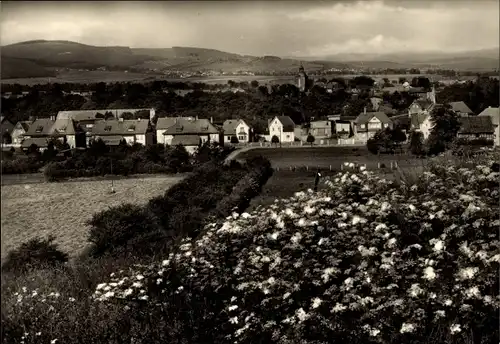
column 363, row 260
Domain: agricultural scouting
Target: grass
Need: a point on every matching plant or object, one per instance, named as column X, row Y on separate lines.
column 62, row 209
column 323, row 157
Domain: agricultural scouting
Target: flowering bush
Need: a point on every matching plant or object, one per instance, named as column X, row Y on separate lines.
column 365, row 259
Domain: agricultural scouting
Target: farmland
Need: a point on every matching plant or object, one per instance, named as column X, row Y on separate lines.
column 62, row 209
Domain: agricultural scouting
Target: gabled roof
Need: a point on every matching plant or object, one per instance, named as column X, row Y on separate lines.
column 364, row 118
column 41, row 127
column 229, row 126
column 3, row 118
column 460, row 107
column 112, row 140
column 417, row 119
column 82, row 115
column 492, row 112
column 417, row 90
column 186, row 140
column 117, row 127
column 193, row 127
column 167, row 122
column 476, row 125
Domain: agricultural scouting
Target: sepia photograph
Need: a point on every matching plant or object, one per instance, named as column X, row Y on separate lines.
column 243, row 172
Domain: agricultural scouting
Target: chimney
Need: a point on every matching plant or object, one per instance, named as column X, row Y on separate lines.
column 52, row 118
column 364, row 110
column 212, row 120
column 196, row 117
column 139, row 119
column 120, row 119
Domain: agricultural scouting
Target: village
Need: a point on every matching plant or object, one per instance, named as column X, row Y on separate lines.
column 79, row 128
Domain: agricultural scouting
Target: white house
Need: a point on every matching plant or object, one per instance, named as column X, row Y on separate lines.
column 494, row 113
column 237, row 128
column 164, row 123
column 368, row 123
column 19, row 131
column 202, row 128
column 133, row 131
column 422, row 122
column 283, row 128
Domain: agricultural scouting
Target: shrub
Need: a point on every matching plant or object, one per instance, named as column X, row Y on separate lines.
column 112, row 228
column 34, row 254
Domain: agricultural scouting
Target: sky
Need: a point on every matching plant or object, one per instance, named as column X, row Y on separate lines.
column 293, row 28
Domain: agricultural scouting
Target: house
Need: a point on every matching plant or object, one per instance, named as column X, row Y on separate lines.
column 476, row 127
column 19, row 130
column 6, row 125
column 302, row 80
column 320, row 129
column 132, row 130
column 494, row 114
column 69, row 130
column 163, row 124
column 368, row 123
column 401, row 121
column 421, row 122
column 420, row 106
column 238, row 128
column 461, row 109
column 202, row 128
column 190, row 142
column 283, row 128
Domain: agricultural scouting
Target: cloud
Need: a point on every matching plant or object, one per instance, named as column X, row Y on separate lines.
column 261, row 28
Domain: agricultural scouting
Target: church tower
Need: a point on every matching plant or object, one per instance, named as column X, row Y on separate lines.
column 302, row 79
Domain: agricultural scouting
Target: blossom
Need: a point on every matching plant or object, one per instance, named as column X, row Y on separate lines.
column 467, row 273
column 455, row 328
column 429, row 273
column 316, row 302
column 407, row 328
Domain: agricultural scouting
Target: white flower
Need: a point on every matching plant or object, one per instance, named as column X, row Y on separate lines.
column 274, row 236
column 338, row 308
column 467, row 273
column 429, row 273
column 412, row 207
column 448, row 302
column 495, row 258
column 71, row 299
column 109, row 294
column 137, row 285
column 140, row 277
column 415, row 290
column 374, row 332
column 440, row 314
column 166, row 262
column 380, row 226
column 233, row 307
column 407, row 328
column 286, row 295
column 301, row 315
column 391, row 242
column 473, row 292
column 455, row 328
column 233, row 320
column 128, row 292
column 100, row 286
column 316, row 302
column 438, row 245
column 53, row 341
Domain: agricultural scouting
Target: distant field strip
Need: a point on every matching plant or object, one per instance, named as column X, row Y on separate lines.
column 62, row 209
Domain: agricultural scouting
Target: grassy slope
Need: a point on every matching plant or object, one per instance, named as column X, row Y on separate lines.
column 63, row 208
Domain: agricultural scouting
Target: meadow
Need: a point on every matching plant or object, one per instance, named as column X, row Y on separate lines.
column 62, row 209
column 324, row 157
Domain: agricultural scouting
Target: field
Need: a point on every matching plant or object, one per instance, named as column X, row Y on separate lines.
column 323, row 157
column 62, row 209
column 108, row 76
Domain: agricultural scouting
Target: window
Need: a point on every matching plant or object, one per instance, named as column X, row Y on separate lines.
column 204, row 128
column 363, row 126
column 90, row 125
column 39, row 129
column 241, row 138
column 178, row 129
column 288, row 136
column 131, row 128
column 62, row 129
column 107, row 128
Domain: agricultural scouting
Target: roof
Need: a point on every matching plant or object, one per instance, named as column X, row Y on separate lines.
column 41, row 127
column 320, row 124
column 364, row 118
column 286, row 121
column 25, row 125
column 492, row 112
column 112, row 140
column 82, row 115
column 475, row 125
column 392, row 89
column 63, row 127
column 191, row 126
column 460, row 107
column 118, row 127
column 347, row 118
column 424, row 103
column 41, row 142
column 167, row 122
column 186, row 140
column 230, row 125
column 417, row 119
column 3, row 118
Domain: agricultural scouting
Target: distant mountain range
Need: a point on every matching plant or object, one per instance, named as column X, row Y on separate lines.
column 42, row 58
